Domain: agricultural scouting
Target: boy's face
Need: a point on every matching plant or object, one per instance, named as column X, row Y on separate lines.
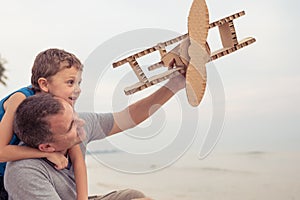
column 66, row 84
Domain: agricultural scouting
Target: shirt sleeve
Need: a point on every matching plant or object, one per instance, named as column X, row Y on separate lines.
column 97, row 125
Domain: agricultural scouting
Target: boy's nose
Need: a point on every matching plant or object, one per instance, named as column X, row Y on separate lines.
column 77, row 89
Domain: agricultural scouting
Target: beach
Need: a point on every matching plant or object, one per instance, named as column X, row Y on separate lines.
column 232, row 176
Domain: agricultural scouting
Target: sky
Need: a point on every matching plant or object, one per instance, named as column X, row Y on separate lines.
column 258, row 84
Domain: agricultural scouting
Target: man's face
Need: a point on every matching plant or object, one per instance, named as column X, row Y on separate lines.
column 67, row 128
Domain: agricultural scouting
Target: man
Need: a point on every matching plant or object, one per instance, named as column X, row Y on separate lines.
column 50, row 124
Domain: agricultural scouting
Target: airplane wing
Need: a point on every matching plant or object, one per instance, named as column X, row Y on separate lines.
column 198, row 26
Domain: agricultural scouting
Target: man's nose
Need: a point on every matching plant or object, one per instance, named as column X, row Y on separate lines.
column 80, row 122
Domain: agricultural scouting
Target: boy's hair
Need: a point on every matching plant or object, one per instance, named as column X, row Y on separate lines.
column 30, row 122
column 50, row 62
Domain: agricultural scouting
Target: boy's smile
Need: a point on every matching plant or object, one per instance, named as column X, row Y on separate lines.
column 66, row 84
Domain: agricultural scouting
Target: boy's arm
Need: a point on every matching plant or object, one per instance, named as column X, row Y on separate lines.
column 6, row 125
column 14, row 152
column 141, row 110
column 80, row 172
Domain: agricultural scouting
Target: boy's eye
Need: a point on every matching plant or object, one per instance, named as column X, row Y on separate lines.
column 71, row 82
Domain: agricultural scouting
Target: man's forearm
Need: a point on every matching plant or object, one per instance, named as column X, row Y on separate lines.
column 144, row 108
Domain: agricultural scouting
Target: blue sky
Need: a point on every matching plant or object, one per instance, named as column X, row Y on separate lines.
column 260, row 82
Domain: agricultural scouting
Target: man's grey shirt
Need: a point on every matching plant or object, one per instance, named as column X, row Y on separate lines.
column 38, row 179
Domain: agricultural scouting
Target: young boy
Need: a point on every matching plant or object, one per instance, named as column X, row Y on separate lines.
column 59, row 73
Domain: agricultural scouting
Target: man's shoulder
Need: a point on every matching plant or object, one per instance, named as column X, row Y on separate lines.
column 23, row 161
column 93, row 115
column 39, row 180
column 97, row 124
column 25, row 164
column 29, row 169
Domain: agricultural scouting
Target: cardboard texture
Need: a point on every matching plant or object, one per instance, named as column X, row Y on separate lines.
column 190, row 55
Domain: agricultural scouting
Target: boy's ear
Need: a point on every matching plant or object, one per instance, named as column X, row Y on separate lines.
column 43, row 83
column 46, row 148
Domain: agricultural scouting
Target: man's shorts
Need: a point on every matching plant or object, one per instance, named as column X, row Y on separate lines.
column 127, row 194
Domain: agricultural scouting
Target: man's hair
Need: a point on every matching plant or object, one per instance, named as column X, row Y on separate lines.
column 50, row 62
column 30, row 123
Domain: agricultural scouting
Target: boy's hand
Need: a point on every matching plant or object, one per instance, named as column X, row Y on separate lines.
column 58, row 159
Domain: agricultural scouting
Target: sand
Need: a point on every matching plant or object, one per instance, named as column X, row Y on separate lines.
column 220, row 176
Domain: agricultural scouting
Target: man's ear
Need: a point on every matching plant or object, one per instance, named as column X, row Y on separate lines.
column 46, row 148
column 43, row 83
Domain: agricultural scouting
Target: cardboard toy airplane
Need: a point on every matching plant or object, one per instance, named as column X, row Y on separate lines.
column 190, row 55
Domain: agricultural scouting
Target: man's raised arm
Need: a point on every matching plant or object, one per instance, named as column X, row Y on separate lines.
column 137, row 112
